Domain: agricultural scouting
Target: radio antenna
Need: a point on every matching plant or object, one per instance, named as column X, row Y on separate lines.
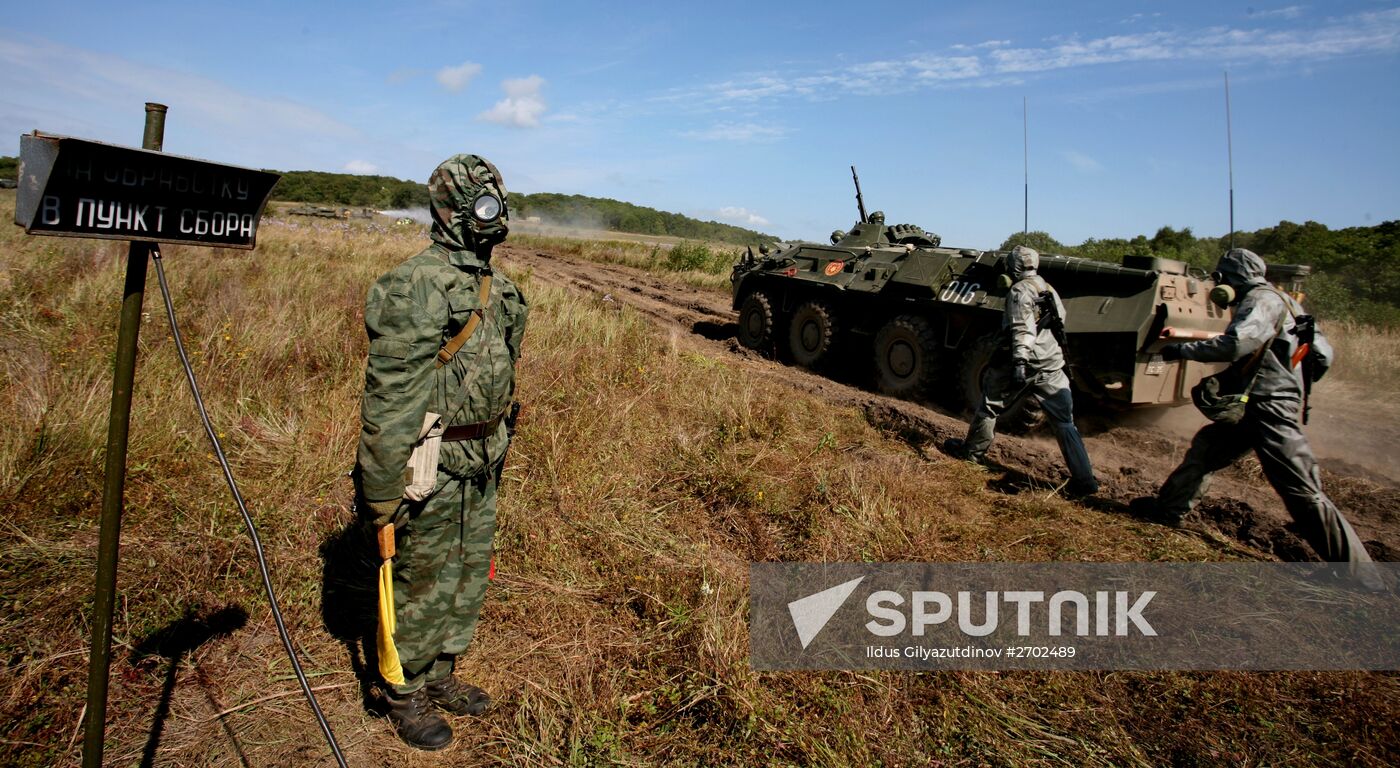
column 1230, row 157
column 1026, row 167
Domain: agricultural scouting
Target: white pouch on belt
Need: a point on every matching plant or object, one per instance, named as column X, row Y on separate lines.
column 421, row 474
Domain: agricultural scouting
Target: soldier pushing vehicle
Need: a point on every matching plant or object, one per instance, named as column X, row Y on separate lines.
column 1275, row 353
column 1030, row 361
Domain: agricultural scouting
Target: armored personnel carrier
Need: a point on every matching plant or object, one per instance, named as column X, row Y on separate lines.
column 928, row 317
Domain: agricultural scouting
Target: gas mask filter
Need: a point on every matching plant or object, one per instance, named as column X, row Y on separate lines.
column 1222, row 296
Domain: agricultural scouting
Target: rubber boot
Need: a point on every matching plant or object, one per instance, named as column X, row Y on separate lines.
column 457, row 698
column 418, row 725
column 1078, row 489
column 957, row 448
column 1147, row 508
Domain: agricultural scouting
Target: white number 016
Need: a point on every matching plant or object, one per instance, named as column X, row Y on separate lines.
column 959, row 292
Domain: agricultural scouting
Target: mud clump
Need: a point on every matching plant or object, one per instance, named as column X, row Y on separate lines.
column 1238, row 520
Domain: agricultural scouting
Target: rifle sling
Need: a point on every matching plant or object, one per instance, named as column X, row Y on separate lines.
column 449, row 350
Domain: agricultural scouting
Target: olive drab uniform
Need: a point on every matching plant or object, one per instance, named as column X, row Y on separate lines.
column 1270, row 427
column 1034, row 348
column 443, row 541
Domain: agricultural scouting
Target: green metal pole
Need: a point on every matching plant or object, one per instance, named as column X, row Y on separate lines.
column 123, row 377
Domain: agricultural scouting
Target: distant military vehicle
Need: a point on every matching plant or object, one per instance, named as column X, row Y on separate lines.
column 331, row 213
column 315, row 210
column 928, row 317
column 8, row 183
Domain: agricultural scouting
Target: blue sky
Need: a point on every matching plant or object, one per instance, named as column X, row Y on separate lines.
column 752, row 112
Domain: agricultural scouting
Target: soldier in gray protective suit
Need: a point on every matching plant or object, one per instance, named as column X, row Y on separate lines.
column 443, row 539
column 1270, row 427
column 1035, row 365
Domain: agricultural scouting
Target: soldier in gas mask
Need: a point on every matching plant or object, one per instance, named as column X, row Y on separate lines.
column 1262, row 344
column 444, row 337
column 1034, row 326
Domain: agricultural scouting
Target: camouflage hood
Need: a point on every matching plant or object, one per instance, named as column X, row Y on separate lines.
column 1022, row 261
column 1240, row 267
column 453, row 190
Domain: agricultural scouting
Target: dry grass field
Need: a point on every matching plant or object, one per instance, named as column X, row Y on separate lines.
column 645, row 478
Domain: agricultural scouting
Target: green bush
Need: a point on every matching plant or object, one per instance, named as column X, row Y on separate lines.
column 687, row 256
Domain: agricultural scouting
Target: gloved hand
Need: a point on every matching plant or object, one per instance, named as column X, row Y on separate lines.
column 1171, row 352
column 382, row 513
column 1018, row 374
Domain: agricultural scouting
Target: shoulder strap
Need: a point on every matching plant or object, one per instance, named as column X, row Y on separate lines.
column 1257, row 359
column 449, row 350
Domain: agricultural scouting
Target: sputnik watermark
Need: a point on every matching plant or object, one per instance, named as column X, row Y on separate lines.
column 926, row 653
column 1072, row 616
column 811, row 613
column 1112, row 613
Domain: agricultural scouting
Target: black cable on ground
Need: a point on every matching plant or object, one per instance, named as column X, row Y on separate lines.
column 243, row 509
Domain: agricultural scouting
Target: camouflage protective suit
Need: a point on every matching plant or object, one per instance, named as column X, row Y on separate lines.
column 1270, row 427
column 1036, row 349
column 444, row 541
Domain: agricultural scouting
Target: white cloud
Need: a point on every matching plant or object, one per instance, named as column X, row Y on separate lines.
column 987, row 44
column 1291, row 12
column 361, row 167
column 741, row 216
column 522, row 107
column 456, row 78
column 945, row 68
column 996, row 62
column 1081, row 162
column 740, row 132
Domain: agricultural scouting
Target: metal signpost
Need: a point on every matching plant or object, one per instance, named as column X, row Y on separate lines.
column 78, row 188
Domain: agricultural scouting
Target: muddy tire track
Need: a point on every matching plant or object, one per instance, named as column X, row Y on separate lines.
column 1131, row 457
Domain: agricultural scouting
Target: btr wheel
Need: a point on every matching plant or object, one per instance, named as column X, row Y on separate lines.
column 906, row 356
column 756, row 322
column 1023, row 415
column 813, row 334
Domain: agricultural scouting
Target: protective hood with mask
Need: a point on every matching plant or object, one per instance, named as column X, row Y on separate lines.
column 1238, row 272
column 1022, row 262
column 1262, row 316
column 468, row 199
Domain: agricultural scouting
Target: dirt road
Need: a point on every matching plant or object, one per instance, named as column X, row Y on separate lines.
column 1131, row 455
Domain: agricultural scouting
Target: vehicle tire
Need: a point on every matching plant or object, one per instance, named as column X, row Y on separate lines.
column 1024, row 416
column 757, row 322
column 813, row 334
column 906, row 357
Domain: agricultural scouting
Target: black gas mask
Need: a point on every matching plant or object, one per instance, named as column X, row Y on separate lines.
column 488, row 221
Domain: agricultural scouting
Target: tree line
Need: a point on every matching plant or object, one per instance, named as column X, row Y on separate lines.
column 1356, row 270
column 614, row 215
column 389, row 193
column 384, row 192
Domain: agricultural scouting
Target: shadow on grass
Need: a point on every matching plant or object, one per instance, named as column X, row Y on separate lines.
column 350, row 601
column 173, row 644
